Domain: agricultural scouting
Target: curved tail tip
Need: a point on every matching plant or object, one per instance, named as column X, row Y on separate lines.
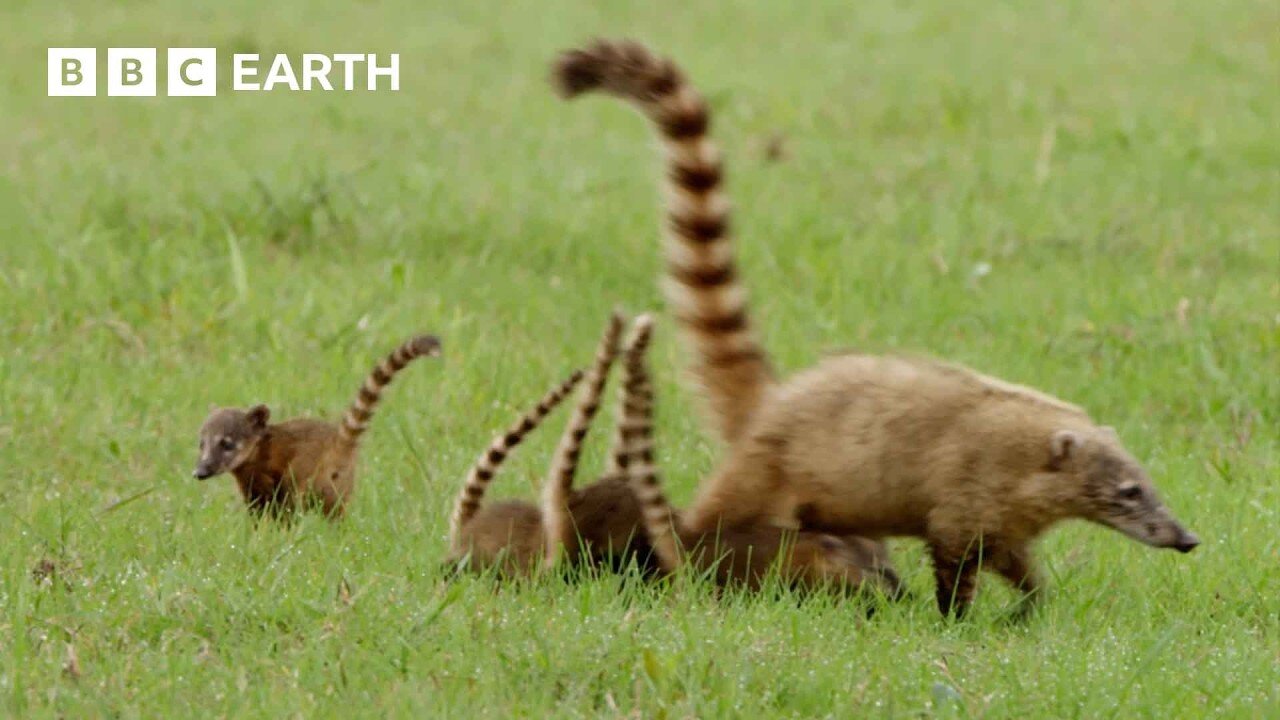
column 617, row 321
column 428, row 345
column 576, row 72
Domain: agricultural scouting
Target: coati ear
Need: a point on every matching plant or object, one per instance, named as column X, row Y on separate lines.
column 1062, row 446
column 259, row 415
column 831, row 543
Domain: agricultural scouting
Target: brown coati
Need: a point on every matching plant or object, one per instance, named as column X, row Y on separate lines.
column 733, row 556
column 278, row 466
column 880, row 446
column 597, row 525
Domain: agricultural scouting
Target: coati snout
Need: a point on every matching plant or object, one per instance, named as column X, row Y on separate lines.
column 1116, row 490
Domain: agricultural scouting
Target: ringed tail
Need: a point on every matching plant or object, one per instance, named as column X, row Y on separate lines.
column 564, row 462
column 641, row 470
column 356, row 420
column 486, row 466
column 701, row 283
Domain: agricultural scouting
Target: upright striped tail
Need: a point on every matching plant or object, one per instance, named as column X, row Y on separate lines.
column 640, row 468
column 702, row 285
column 486, row 466
column 356, row 421
column 558, row 525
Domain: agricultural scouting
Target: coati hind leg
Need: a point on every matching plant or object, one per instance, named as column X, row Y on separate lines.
column 728, row 500
column 1015, row 564
column 332, row 502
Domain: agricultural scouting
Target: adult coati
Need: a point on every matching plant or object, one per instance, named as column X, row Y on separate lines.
column 597, row 525
column 303, row 460
column 975, row 466
column 741, row 556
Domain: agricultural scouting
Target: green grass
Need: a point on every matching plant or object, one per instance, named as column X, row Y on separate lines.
column 1108, row 162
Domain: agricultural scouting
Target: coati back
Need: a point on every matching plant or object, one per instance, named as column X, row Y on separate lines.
column 303, row 460
column 597, row 525
column 739, row 556
column 975, row 466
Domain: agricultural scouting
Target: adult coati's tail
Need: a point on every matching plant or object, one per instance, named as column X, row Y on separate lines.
column 640, row 468
column 356, row 421
column 702, row 284
column 558, row 526
column 486, row 466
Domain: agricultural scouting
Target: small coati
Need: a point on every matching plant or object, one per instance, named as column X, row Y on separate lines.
column 733, row 556
column 597, row 525
column 303, row 460
column 880, row 446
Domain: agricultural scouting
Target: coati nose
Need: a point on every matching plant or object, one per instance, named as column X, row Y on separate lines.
column 201, row 474
column 1187, row 541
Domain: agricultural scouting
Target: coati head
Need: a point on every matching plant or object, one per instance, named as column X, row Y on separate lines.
column 858, row 563
column 1114, row 490
column 228, row 437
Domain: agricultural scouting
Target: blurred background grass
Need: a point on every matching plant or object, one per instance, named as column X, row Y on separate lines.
column 1081, row 196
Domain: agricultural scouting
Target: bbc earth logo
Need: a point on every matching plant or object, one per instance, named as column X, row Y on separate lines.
column 193, row 72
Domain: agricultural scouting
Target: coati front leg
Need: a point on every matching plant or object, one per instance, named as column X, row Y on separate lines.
column 265, row 495
column 955, row 570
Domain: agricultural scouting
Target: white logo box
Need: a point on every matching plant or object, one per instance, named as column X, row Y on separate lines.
column 193, row 72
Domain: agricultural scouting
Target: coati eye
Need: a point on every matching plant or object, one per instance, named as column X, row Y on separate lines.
column 1130, row 492
column 226, row 443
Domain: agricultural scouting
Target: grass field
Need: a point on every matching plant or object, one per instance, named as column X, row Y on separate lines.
column 1084, row 197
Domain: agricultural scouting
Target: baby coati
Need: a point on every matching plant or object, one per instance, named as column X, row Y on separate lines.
column 879, row 446
column 738, row 556
column 597, row 525
column 278, row 466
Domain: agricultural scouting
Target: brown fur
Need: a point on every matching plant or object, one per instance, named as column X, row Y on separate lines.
column 976, row 466
column 278, row 466
column 597, row 525
column 743, row 555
